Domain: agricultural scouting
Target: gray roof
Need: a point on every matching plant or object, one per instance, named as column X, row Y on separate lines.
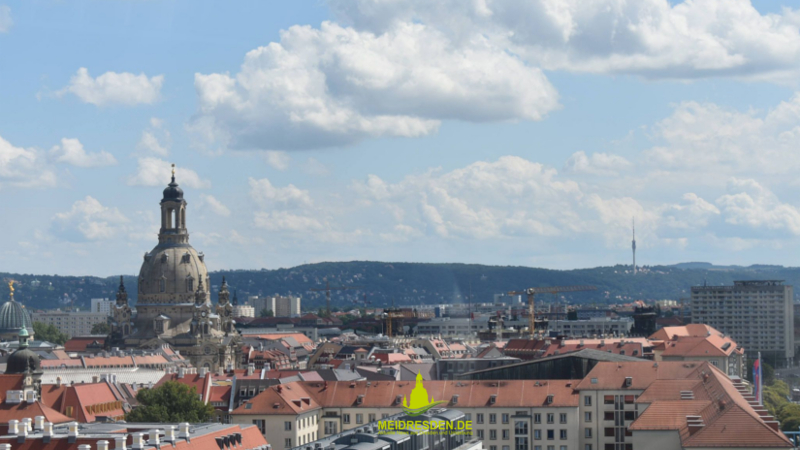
column 13, row 318
column 586, row 353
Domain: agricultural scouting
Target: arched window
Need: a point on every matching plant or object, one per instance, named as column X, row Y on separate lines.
column 162, row 284
column 189, row 283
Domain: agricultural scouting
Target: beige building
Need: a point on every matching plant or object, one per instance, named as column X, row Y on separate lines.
column 281, row 306
column 71, row 323
column 244, row 311
column 757, row 314
column 174, row 303
column 698, row 342
column 617, row 406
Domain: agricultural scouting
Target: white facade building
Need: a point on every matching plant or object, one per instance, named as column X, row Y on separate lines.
column 759, row 315
column 102, row 305
column 71, row 323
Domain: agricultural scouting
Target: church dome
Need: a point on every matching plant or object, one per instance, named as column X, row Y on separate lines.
column 173, row 271
column 23, row 360
column 13, row 318
column 171, row 274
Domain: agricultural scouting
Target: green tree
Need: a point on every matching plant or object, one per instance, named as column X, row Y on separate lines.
column 101, row 328
column 266, row 313
column 170, row 403
column 49, row 333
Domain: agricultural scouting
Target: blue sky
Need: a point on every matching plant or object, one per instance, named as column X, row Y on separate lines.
column 492, row 131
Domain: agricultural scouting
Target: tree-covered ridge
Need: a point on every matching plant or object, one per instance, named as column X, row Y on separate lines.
column 417, row 283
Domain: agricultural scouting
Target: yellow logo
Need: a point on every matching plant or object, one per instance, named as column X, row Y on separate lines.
column 418, row 402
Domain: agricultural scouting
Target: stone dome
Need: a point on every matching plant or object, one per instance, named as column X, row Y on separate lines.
column 173, row 191
column 172, row 274
column 23, row 360
column 13, row 318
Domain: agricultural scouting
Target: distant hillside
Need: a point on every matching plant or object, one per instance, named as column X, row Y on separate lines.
column 417, row 283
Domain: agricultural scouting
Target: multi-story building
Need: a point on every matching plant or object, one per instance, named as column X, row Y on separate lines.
column 244, row 311
column 71, row 323
column 619, row 405
column 102, row 305
column 602, row 326
column 759, row 315
column 698, row 342
column 281, row 306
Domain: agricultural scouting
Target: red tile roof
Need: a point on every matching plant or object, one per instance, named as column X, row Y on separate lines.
column 79, row 344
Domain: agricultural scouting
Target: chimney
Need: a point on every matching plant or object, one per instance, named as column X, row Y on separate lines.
column 48, row 429
column 5, row 446
column 203, row 372
column 84, row 447
column 73, row 430
column 95, row 379
column 30, row 396
column 22, row 430
column 13, row 427
column 220, row 371
column 58, row 381
column 181, row 372
column 119, row 442
column 138, row 440
column 155, row 438
column 183, row 430
column 169, row 434
column 38, row 423
column 251, row 368
column 102, row 445
column 28, row 424
column 694, row 424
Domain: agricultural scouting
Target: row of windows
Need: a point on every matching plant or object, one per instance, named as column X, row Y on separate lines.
column 537, row 418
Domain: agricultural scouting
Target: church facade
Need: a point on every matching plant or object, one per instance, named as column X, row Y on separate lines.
column 174, row 300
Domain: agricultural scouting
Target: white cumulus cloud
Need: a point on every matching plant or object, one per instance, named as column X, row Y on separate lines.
column 23, row 167
column 114, row 88
column 157, row 172
column 5, row 19
column 596, row 164
column 155, row 139
column 71, row 151
column 335, row 85
column 216, row 206
column 89, row 220
column 267, row 195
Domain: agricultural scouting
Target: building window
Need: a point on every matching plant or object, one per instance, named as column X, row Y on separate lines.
column 492, row 435
column 563, row 434
column 551, row 418
column 608, row 399
column 505, row 435
column 359, row 418
column 261, row 424
column 609, row 432
column 587, row 432
column 562, row 418
column 537, row 434
column 480, row 434
column 520, row 443
column 479, row 417
column 345, row 418
column 521, row 428
column 331, row 428
column 551, row 434
column 372, row 417
column 287, row 443
column 287, row 426
column 189, row 284
column 587, row 447
column 162, row 284
column 505, row 418
column 492, row 418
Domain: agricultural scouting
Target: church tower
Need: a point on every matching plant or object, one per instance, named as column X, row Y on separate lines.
column 174, row 297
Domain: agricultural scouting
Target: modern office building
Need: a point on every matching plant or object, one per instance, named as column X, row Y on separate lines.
column 71, row 323
column 758, row 315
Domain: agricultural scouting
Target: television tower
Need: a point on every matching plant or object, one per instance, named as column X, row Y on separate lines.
column 633, row 243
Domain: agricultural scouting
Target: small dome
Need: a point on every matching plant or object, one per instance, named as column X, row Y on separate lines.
column 24, row 360
column 173, row 192
column 13, row 318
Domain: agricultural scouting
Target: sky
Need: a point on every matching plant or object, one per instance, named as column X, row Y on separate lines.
column 502, row 132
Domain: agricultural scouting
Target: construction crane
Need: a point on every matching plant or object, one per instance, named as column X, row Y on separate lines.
column 390, row 315
column 531, row 292
column 328, row 290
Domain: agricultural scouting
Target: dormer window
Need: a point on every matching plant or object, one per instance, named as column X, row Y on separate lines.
column 187, row 258
column 164, row 258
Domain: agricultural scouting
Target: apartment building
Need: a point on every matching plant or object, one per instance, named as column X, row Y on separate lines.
column 244, row 311
column 102, row 305
column 71, row 323
column 623, row 405
column 698, row 342
column 759, row 315
column 281, row 306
